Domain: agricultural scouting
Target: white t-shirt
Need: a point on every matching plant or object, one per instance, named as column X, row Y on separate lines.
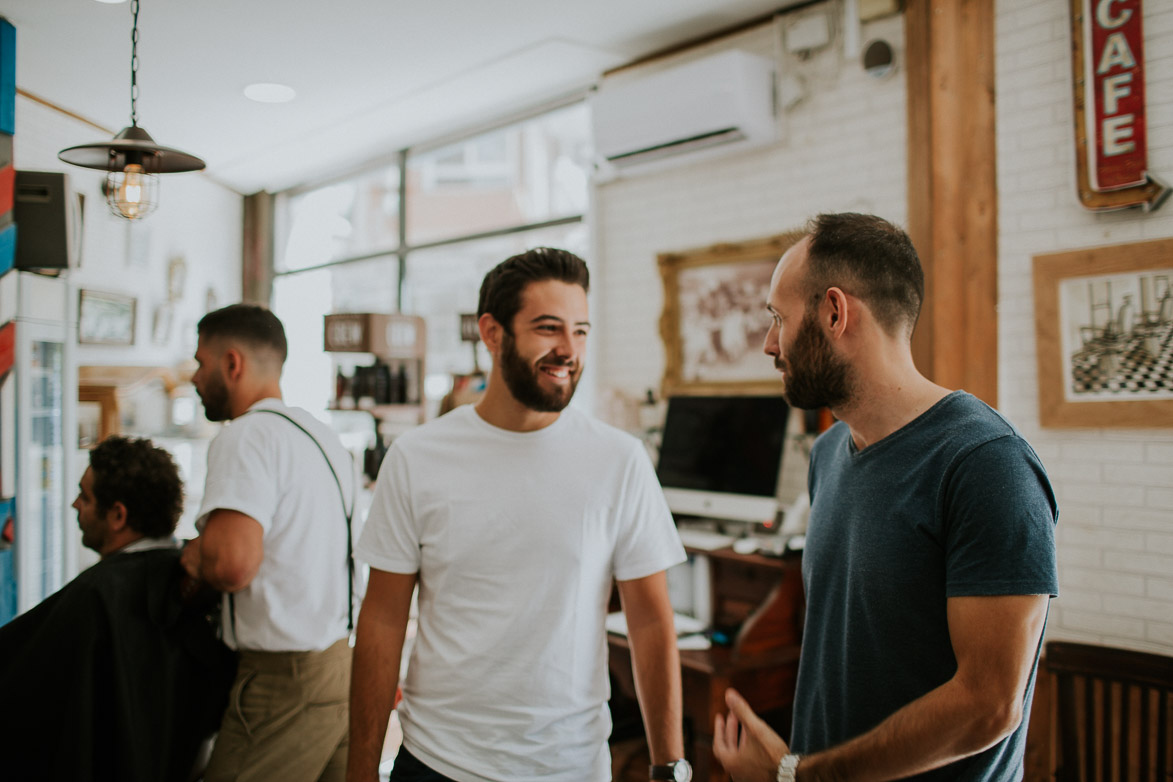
column 516, row 538
column 265, row 467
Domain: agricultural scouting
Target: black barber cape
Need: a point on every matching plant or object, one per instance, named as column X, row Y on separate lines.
column 111, row 678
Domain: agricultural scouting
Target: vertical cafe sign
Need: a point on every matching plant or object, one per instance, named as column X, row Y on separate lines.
column 1110, row 125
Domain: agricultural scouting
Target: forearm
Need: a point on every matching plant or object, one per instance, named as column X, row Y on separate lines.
column 374, row 680
column 947, row 724
column 656, row 665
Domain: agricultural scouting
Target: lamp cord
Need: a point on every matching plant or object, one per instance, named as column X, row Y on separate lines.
column 134, row 63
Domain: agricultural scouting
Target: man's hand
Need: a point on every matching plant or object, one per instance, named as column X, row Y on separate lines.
column 190, row 558
column 754, row 756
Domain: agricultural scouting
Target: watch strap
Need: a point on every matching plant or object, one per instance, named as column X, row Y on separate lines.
column 788, row 768
column 667, row 771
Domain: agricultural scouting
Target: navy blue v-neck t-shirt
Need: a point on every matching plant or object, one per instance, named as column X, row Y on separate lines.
column 955, row 503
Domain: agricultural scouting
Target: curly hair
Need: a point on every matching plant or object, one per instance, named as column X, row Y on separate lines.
column 142, row 477
column 502, row 287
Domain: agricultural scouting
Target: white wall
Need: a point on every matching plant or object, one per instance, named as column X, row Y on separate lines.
column 1115, row 487
column 197, row 220
column 842, row 149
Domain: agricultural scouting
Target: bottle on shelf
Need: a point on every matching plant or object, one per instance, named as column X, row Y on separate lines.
column 383, row 391
column 364, row 388
column 402, row 388
column 344, row 388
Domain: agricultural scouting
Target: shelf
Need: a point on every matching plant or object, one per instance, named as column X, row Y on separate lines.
column 401, row 412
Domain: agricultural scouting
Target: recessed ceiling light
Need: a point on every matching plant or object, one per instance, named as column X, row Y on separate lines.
column 269, row 93
column 111, row 2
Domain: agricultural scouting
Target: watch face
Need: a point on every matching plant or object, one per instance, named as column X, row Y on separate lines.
column 682, row 771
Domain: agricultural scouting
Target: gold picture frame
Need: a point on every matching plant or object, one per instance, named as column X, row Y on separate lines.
column 714, row 319
column 1104, row 330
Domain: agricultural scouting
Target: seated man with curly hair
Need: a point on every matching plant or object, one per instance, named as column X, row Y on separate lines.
column 113, row 677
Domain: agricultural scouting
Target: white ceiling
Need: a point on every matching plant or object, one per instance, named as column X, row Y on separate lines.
column 371, row 75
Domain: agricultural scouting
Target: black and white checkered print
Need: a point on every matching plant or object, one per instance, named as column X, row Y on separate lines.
column 1136, row 365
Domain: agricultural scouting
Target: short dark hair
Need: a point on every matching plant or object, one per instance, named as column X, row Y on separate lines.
column 252, row 324
column 142, row 477
column 868, row 257
column 502, row 287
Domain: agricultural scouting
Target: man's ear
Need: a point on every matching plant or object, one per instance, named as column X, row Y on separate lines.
column 116, row 516
column 837, row 311
column 232, row 361
column 491, row 332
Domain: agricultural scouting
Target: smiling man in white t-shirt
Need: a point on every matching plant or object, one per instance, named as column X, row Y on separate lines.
column 514, row 517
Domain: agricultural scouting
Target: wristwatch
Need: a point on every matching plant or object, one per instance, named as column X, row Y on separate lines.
column 788, row 768
column 676, row 771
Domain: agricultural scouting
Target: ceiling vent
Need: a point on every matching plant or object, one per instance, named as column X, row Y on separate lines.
column 712, row 105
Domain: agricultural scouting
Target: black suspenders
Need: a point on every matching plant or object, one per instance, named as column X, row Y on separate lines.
column 349, row 533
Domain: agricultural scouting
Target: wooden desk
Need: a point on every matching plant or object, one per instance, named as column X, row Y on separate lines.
column 762, row 595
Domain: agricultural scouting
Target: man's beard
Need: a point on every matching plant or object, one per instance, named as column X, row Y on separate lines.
column 215, row 398
column 93, row 536
column 522, row 380
column 814, row 376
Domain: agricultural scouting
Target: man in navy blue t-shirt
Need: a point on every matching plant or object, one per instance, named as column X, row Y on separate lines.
column 930, row 554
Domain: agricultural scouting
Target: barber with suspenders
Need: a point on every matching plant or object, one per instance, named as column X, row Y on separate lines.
column 275, row 537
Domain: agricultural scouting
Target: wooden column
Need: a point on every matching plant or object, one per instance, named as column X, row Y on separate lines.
column 952, row 189
column 257, row 252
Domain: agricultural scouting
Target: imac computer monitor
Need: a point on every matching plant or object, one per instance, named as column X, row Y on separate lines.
column 721, row 456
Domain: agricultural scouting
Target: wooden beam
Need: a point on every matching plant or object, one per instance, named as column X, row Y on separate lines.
column 257, row 252
column 920, row 196
column 952, row 189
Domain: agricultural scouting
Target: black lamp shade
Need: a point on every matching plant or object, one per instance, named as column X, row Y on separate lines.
column 131, row 146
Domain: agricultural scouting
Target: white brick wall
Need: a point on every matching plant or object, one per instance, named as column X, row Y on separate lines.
column 1114, row 486
column 842, row 148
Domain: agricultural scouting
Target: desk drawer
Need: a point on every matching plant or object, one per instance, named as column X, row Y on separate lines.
column 739, row 589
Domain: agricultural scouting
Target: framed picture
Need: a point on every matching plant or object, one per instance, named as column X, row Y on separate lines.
column 176, row 278
column 714, row 320
column 1104, row 324
column 105, row 318
column 161, row 324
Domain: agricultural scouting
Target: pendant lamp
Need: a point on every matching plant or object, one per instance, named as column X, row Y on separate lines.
column 132, row 160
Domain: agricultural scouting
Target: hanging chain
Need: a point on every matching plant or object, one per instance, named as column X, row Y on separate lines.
column 134, row 64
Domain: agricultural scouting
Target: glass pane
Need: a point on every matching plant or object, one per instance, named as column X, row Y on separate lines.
column 45, row 454
column 303, row 300
column 443, row 282
column 342, row 220
column 530, row 172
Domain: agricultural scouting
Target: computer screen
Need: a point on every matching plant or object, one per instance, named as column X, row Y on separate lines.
column 720, row 456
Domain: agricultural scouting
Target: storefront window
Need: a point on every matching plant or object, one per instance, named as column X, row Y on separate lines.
column 530, row 172
column 302, row 302
column 346, row 219
column 511, row 180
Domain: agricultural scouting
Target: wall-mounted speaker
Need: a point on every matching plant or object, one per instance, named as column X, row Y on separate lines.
column 45, row 213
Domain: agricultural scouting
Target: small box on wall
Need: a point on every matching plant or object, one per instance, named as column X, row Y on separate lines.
column 385, row 335
column 45, row 213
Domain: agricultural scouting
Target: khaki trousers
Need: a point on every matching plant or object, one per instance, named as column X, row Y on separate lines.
column 286, row 718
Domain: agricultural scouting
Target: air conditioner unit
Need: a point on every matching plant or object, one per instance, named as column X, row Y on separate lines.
column 717, row 103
